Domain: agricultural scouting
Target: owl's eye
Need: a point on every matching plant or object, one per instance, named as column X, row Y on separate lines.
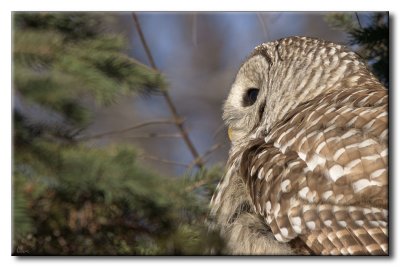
column 250, row 97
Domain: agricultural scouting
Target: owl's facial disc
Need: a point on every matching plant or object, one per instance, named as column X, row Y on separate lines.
column 242, row 108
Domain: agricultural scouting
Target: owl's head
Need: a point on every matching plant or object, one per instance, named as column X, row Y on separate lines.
column 280, row 75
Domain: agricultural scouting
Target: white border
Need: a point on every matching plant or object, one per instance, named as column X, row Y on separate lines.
column 222, row 5
column 6, row 7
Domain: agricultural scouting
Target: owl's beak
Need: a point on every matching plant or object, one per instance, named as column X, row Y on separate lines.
column 230, row 133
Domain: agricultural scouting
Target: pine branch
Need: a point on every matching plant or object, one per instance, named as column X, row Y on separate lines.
column 179, row 124
column 134, row 127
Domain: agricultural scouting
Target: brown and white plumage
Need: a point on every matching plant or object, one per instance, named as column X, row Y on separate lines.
column 307, row 172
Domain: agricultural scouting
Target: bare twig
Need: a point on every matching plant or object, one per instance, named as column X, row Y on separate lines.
column 194, row 30
column 163, row 160
column 171, row 105
column 196, row 185
column 206, row 154
column 134, row 127
column 211, row 150
column 218, row 130
column 155, row 135
column 275, row 17
column 264, row 28
column 358, row 19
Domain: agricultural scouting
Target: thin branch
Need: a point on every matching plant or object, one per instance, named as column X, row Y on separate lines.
column 218, row 130
column 211, row 150
column 134, row 127
column 171, row 105
column 143, row 40
column 198, row 184
column 155, row 135
column 275, row 17
column 206, row 154
column 163, row 160
column 358, row 19
column 202, row 182
column 263, row 26
column 194, row 30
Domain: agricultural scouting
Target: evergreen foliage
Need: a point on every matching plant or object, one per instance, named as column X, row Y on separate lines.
column 72, row 199
column 371, row 41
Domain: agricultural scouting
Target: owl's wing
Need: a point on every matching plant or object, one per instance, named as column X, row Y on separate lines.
column 321, row 174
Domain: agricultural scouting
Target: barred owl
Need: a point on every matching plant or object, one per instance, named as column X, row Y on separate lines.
column 307, row 170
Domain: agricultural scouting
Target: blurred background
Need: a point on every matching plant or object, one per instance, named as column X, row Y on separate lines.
column 100, row 166
column 199, row 54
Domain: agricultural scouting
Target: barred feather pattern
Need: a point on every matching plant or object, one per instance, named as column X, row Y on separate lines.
column 307, row 171
column 321, row 174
